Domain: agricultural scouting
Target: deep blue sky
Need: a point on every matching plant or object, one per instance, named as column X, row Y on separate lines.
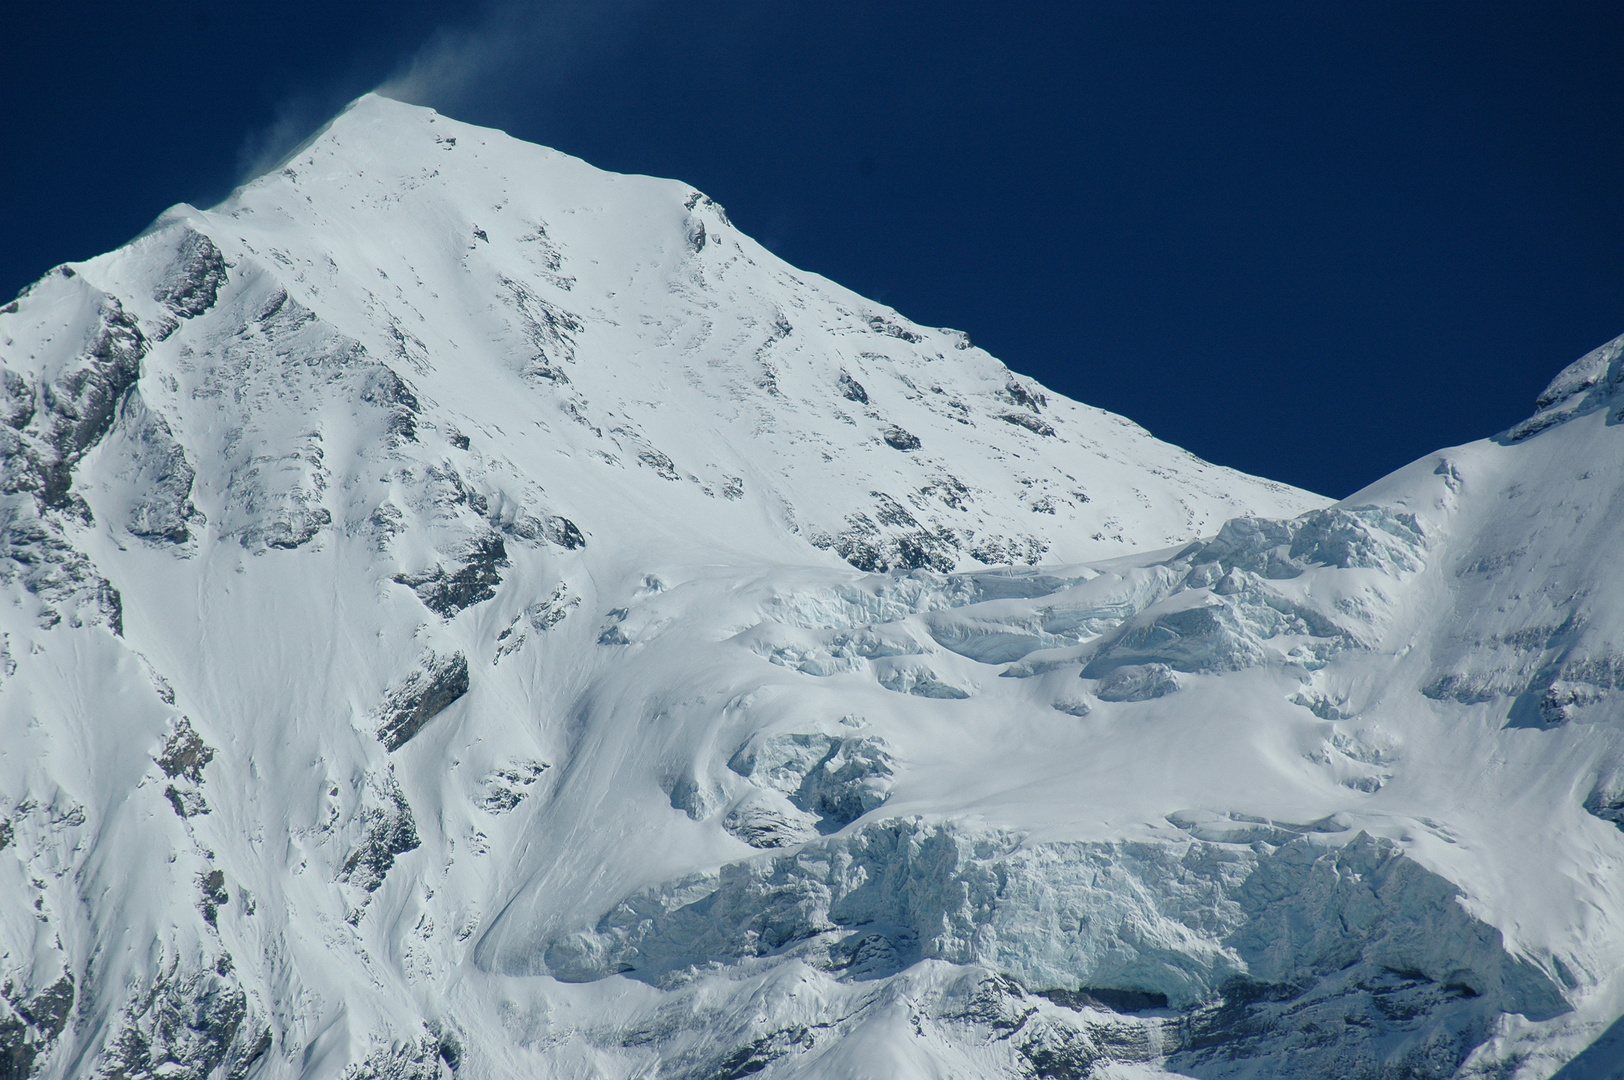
column 1310, row 240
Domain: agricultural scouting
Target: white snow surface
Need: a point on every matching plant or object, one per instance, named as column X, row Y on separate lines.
column 474, row 614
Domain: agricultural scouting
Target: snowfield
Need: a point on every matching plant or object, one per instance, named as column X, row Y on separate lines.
column 474, row 614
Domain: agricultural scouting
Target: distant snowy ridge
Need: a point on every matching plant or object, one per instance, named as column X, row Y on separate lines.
column 473, row 614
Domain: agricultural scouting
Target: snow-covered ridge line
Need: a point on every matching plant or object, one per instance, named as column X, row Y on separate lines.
column 476, row 614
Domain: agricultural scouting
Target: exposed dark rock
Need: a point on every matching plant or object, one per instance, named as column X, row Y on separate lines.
column 188, row 802
column 420, row 697
column 996, row 1001
column 244, row 1064
column 545, row 256
column 542, row 616
column 416, row 1060
column 506, row 787
column 887, row 511
column 450, row 1046
column 708, row 203
column 32, row 1026
column 864, row 956
column 446, row 592
column 19, row 398
column 38, row 554
column 1606, row 799
column 541, row 369
column 548, row 328
column 388, row 390
column 1029, row 421
column 546, row 614
column 893, row 539
column 162, row 510
column 384, row 523
column 79, row 407
column 1352, row 1025
column 194, row 279
column 1122, row 1001
column 388, row 830
column 1001, row 550
column 562, row 531
column 297, row 526
column 1025, row 396
column 898, row 439
column 852, row 390
column 661, row 464
column 756, row 1055
column 767, row 378
column 950, row 490
column 890, row 328
column 184, row 753
column 213, row 887
column 1051, row 1047
column 181, row 1028
column 49, row 1010
column 1565, row 687
column 1463, row 688
column 1054, row 1051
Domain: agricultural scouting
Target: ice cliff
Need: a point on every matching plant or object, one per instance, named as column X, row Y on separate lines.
column 473, row 614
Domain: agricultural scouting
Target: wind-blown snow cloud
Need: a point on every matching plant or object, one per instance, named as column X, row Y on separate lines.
column 520, row 49
column 297, row 117
column 513, row 57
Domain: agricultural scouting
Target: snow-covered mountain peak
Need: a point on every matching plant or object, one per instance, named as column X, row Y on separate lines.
column 531, row 301
column 475, row 614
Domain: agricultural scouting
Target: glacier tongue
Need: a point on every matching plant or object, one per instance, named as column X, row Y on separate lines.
column 475, row 614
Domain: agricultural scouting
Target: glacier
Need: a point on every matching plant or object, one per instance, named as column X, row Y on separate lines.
column 471, row 614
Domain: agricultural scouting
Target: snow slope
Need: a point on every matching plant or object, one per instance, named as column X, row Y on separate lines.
column 473, row 613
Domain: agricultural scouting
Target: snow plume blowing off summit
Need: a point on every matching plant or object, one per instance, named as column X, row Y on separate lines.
column 473, row 614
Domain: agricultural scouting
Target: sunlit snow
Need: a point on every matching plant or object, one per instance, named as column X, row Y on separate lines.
column 471, row 613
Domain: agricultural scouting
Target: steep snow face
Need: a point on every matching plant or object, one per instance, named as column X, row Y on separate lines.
column 472, row 613
column 549, row 311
